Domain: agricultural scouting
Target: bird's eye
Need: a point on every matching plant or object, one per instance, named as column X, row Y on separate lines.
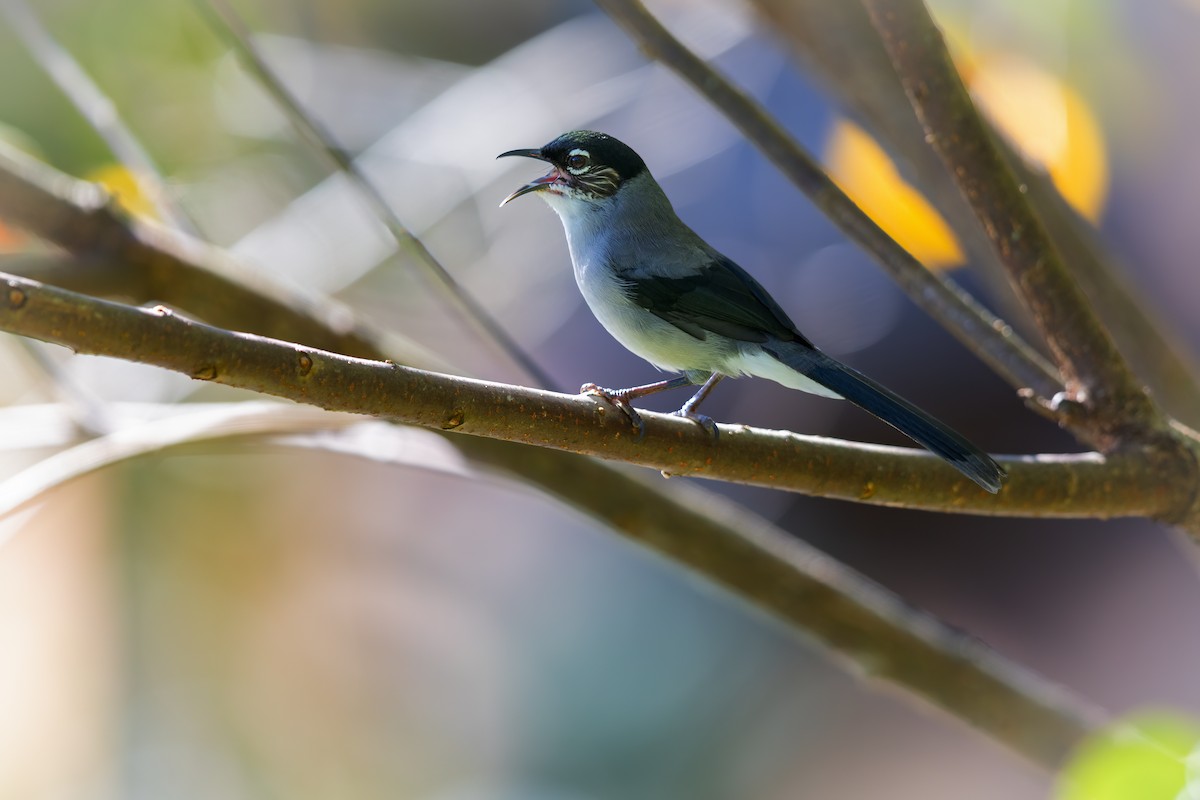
column 578, row 160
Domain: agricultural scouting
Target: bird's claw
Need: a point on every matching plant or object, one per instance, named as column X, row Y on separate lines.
column 703, row 421
column 617, row 399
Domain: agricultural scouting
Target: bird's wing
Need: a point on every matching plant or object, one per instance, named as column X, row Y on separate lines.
column 721, row 298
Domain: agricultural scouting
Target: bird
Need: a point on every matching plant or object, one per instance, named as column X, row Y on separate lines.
column 671, row 298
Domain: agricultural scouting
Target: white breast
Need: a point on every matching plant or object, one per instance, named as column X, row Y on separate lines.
column 605, row 236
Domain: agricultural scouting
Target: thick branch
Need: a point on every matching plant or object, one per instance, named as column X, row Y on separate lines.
column 938, row 295
column 1097, row 375
column 145, row 262
column 821, row 33
column 1147, row 341
column 1084, row 485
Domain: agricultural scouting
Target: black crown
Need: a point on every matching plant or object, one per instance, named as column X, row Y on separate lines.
column 605, row 151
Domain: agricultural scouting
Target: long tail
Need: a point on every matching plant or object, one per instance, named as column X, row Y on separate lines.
column 892, row 409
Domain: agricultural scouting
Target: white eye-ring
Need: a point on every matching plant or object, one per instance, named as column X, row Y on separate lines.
column 578, row 161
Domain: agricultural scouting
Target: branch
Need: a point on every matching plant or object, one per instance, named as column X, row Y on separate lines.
column 821, row 33
column 977, row 328
column 1145, row 339
column 1098, row 378
column 1084, row 485
column 148, row 262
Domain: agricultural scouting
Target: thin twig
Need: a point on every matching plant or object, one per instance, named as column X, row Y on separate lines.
column 1098, row 378
column 229, row 25
column 95, row 106
column 87, row 410
column 973, row 325
column 137, row 429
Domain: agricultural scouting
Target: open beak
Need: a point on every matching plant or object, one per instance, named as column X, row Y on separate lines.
column 550, row 178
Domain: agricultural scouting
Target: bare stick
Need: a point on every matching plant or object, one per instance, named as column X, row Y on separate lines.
column 1084, row 485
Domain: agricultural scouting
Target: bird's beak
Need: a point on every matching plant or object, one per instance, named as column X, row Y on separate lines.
column 524, row 153
column 548, row 179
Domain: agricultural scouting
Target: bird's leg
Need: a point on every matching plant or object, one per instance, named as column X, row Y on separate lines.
column 621, row 397
column 689, row 408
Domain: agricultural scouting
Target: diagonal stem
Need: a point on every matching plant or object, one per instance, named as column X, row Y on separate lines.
column 867, row 86
column 229, row 25
column 1107, row 394
column 93, row 104
column 132, row 257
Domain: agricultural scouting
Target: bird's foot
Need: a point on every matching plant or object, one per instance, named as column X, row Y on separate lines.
column 703, row 421
column 619, row 399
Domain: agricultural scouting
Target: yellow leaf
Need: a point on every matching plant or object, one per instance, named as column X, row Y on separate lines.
column 1045, row 119
column 132, row 192
column 864, row 172
column 1049, row 122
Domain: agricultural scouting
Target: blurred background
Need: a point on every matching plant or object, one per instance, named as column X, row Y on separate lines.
column 265, row 620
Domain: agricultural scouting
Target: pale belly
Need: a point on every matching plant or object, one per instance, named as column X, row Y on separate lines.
column 671, row 349
column 652, row 338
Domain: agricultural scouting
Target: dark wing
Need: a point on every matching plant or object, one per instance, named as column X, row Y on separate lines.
column 723, row 299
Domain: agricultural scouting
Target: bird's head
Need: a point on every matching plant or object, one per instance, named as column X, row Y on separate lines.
column 586, row 166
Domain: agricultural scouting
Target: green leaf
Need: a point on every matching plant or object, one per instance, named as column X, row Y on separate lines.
column 1144, row 757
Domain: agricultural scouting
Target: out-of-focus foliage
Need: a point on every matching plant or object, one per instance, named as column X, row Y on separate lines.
column 1144, row 757
column 132, row 192
column 1050, row 123
column 1047, row 120
column 864, row 171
